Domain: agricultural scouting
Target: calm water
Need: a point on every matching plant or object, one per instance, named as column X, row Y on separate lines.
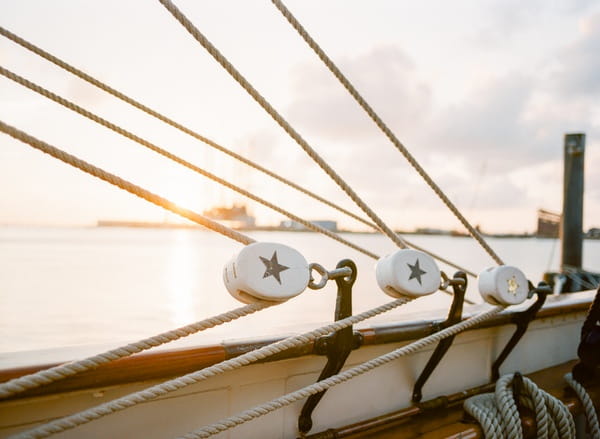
column 103, row 286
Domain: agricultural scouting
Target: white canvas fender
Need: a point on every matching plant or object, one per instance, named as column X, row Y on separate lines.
column 503, row 285
column 408, row 273
column 266, row 271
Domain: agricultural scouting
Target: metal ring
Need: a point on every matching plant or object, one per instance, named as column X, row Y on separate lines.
column 339, row 272
column 445, row 281
column 324, row 276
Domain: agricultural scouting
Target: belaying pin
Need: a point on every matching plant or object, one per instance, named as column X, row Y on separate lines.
column 266, row 271
column 409, row 273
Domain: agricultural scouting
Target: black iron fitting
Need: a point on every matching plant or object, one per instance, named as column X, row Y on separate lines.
column 336, row 346
column 459, row 286
column 522, row 320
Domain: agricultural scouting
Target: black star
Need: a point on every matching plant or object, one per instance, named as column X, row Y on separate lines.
column 415, row 271
column 274, row 268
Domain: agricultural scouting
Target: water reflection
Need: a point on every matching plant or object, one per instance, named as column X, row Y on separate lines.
column 181, row 278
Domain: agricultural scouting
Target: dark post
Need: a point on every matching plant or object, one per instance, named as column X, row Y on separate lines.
column 572, row 215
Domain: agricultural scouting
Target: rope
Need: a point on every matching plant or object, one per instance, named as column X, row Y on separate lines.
column 334, row 380
column 498, row 415
column 218, row 56
column 153, row 392
column 75, row 71
column 577, row 275
column 588, row 406
column 383, row 127
column 71, row 106
column 124, row 184
column 63, row 371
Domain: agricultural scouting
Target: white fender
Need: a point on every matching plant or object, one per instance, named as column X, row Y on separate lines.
column 503, row 285
column 407, row 273
column 266, row 271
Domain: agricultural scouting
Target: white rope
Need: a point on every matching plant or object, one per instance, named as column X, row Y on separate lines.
column 75, row 71
column 72, row 421
column 383, row 127
column 588, row 406
column 63, row 371
column 124, row 184
column 334, row 380
column 499, row 417
column 235, row 74
column 163, row 152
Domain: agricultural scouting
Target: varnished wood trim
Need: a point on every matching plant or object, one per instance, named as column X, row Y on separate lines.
column 164, row 364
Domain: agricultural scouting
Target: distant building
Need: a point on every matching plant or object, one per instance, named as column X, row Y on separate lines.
column 548, row 224
column 432, row 231
column 293, row 225
column 593, row 233
column 236, row 216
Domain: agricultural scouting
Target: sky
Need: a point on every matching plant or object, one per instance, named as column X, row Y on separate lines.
column 480, row 92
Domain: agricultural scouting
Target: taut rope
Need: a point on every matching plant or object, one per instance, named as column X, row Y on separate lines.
column 124, row 184
column 218, row 56
column 101, row 121
column 383, row 127
column 72, row 421
column 77, row 72
column 334, row 380
column 66, row 370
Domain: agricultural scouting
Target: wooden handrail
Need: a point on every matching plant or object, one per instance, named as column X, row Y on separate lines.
column 164, row 364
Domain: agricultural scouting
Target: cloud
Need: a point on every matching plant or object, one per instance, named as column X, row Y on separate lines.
column 507, row 20
column 494, row 122
column 578, row 75
column 389, row 81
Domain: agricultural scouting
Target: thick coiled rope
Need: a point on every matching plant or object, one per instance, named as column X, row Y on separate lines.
column 66, row 370
column 158, row 390
column 498, row 415
column 588, row 406
column 383, row 127
column 101, row 121
column 124, row 184
column 119, row 95
column 222, row 60
column 334, row 380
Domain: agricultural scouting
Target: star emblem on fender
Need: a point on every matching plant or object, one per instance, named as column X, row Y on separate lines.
column 273, row 267
column 416, row 272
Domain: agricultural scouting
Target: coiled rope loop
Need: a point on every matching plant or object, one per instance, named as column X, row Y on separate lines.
column 588, row 406
column 498, row 415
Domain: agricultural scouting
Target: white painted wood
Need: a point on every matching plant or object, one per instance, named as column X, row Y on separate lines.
column 548, row 342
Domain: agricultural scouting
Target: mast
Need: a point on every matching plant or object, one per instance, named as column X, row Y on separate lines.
column 572, row 223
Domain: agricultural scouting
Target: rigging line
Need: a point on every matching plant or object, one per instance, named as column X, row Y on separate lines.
column 576, row 277
column 66, row 370
column 383, row 127
column 75, row 71
column 342, row 377
column 124, row 184
column 71, row 106
column 218, row 56
column 127, row 401
column 79, row 73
